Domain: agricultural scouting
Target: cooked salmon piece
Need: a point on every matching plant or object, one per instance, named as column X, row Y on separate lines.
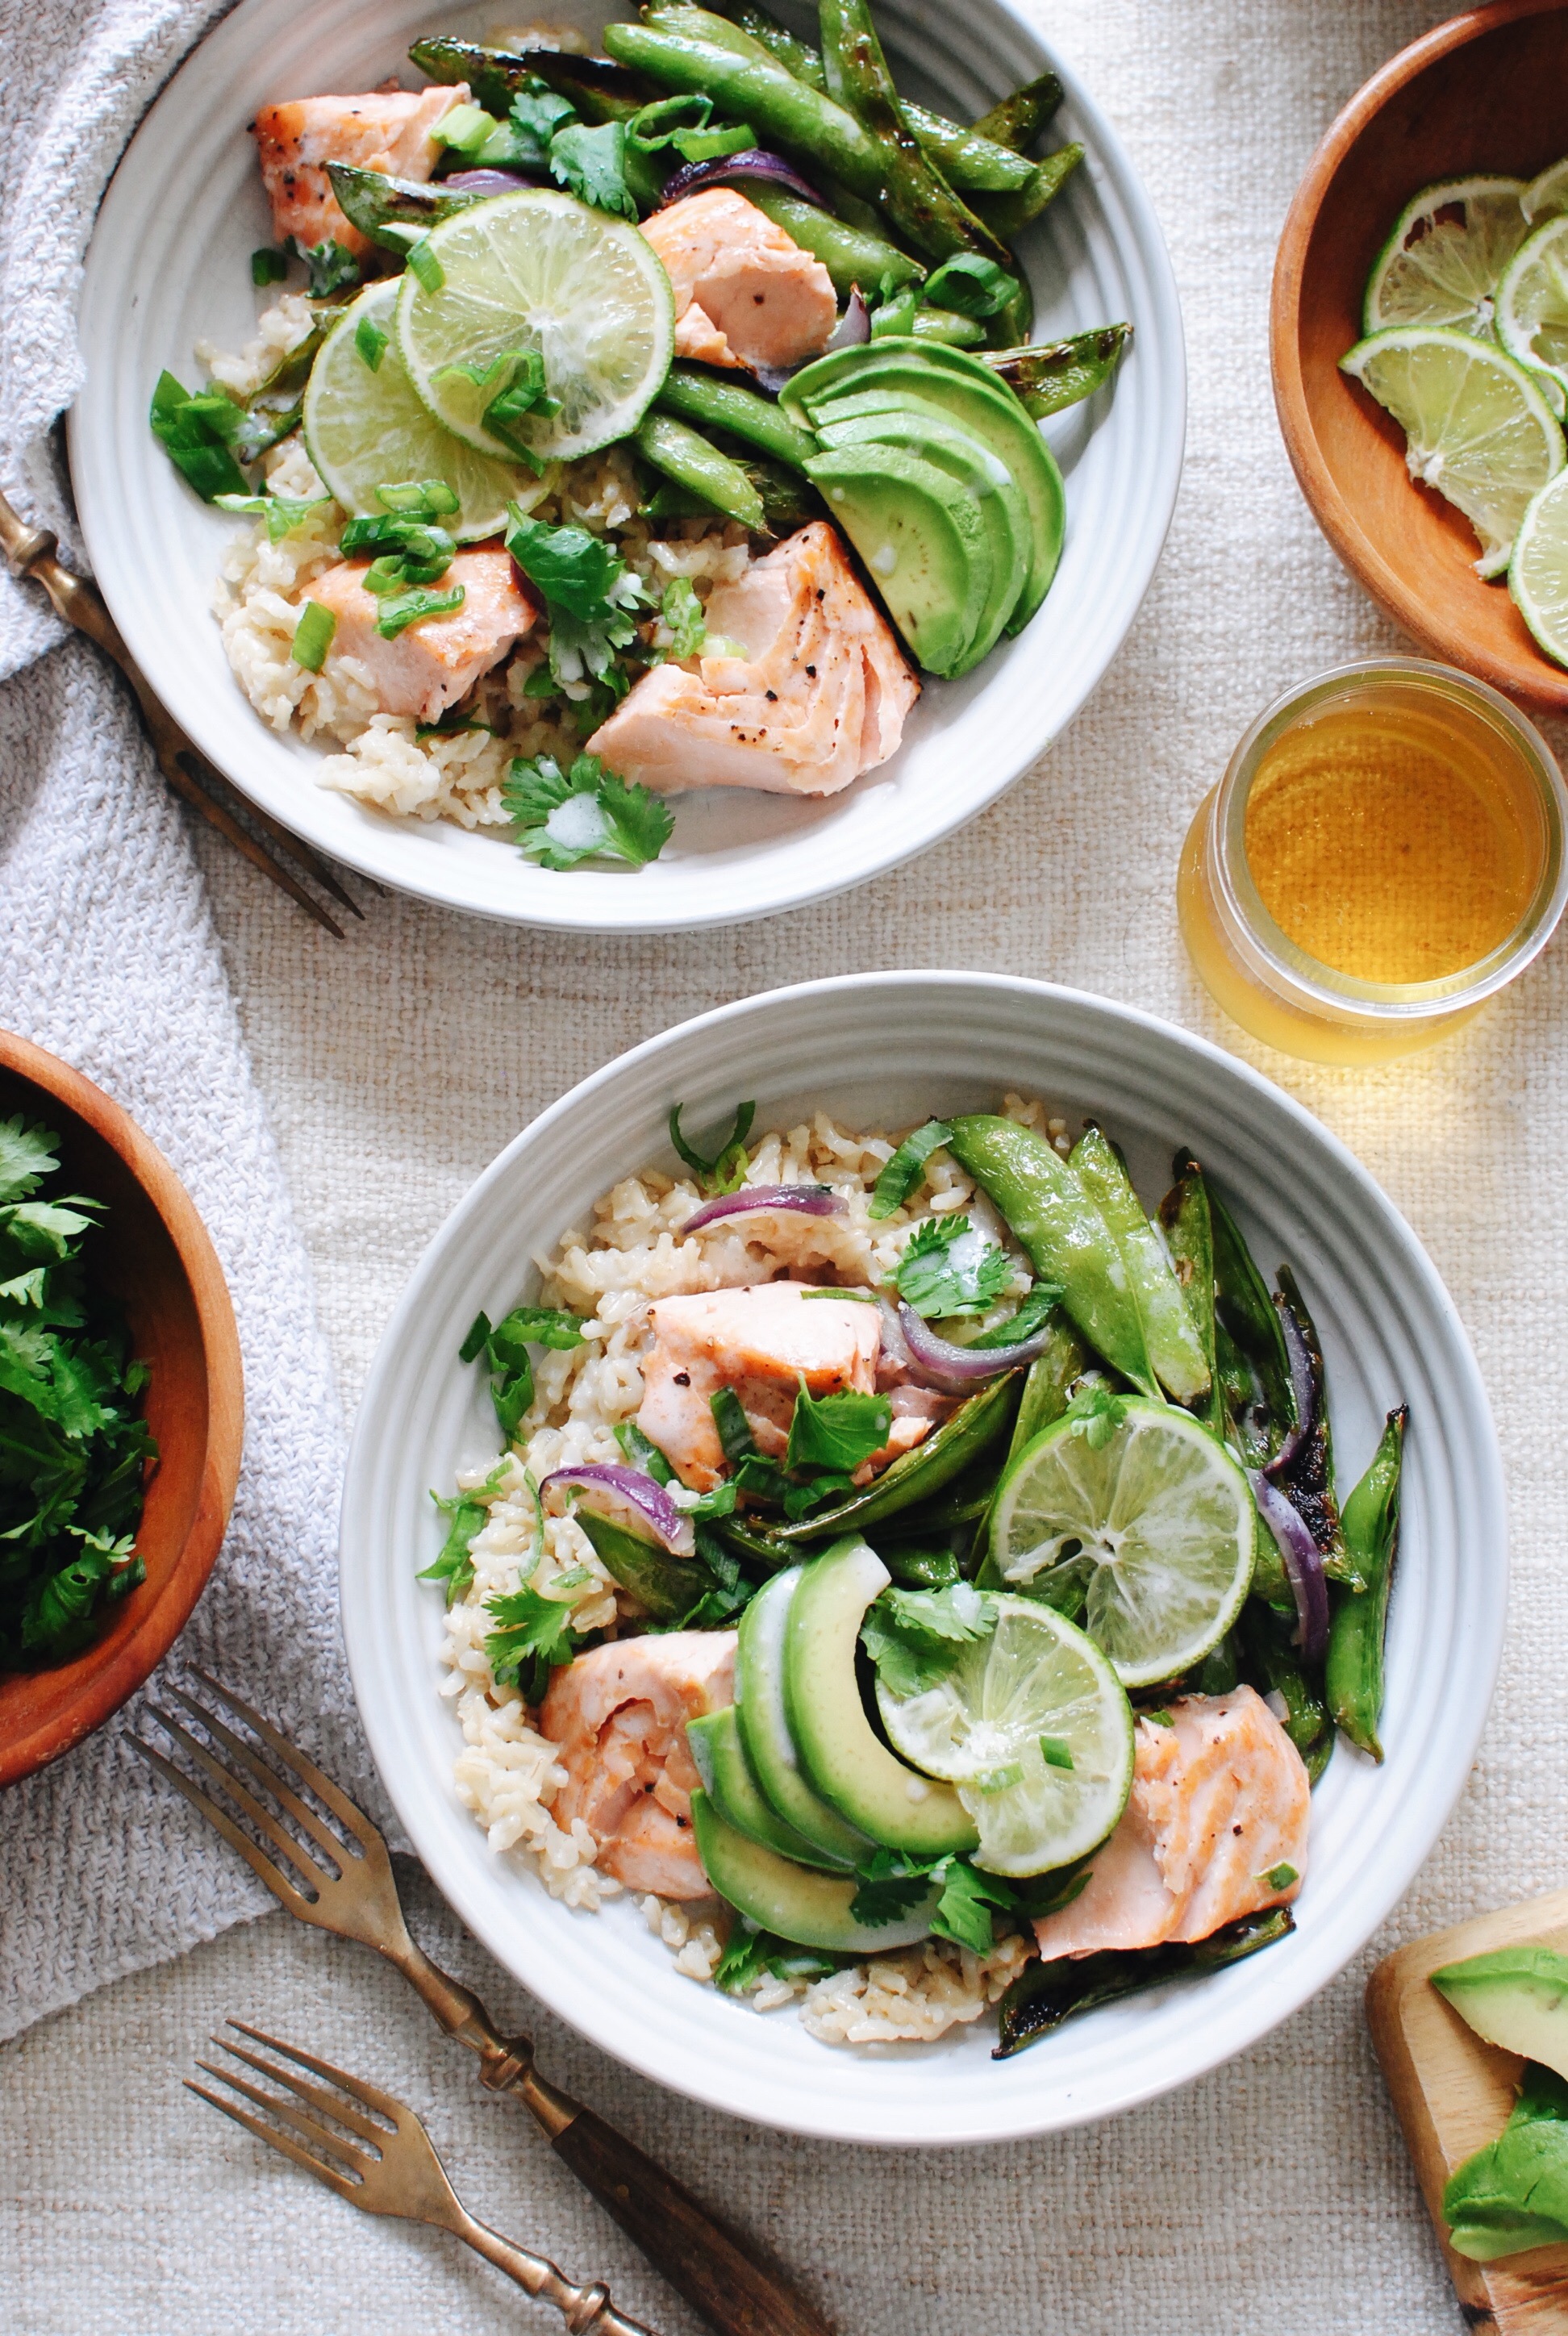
column 618, row 1714
column 436, row 660
column 1220, row 1800
column 388, row 129
column 818, row 694
column 745, row 294
column 762, row 1341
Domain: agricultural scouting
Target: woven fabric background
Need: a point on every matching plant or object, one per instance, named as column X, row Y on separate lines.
column 1275, row 2193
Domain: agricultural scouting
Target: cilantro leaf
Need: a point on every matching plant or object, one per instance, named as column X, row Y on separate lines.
column 575, row 570
column 467, row 1513
column 836, row 1432
column 27, row 1155
column 591, row 165
column 949, row 1269
column 750, row 1954
column 914, row 1636
column 890, row 1885
column 195, row 433
column 681, row 613
column 1095, row 1413
column 332, row 266
column 637, row 822
column 1031, row 1316
column 533, row 1636
column 562, row 817
column 536, row 113
column 504, row 1347
column 641, row 1452
column 964, row 1910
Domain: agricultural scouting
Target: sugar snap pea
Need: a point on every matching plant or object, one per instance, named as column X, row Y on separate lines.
column 963, row 1439
column 1062, row 1228
column 1007, row 215
column 1253, row 1367
column 666, row 1587
column 686, row 456
column 1176, row 1349
column 1044, row 1994
column 382, row 206
column 1189, row 1238
column 599, row 92
column 918, row 1565
column 1049, row 1383
column 917, row 197
column 1059, row 374
column 698, row 397
column 947, row 325
column 1017, row 119
column 851, row 255
column 1269, row 1662
column 1354, row 1671
column 1307, row 1478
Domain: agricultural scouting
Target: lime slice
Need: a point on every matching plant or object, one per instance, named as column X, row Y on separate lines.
column 1480, row 430
column 1533, row 309
column 1033, row 1729
column 539, row 270
column 1544, row 196
column 364, row 430
column 1442, row 264
column 1538, row 572
column 1146, row 1537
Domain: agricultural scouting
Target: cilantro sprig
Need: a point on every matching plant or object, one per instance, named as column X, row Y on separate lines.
column 593, row 600
column 504, row 1347
column 949, row 1269
column 585, row 813
column 830, row 1437
column 533, row 1636
column 914, row 1636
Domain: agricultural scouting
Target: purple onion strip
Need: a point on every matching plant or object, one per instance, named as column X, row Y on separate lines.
column 1303, row 1562
column 854, row 327
column 753, row 162
column 627, row 1498
column 802, row 1200
column 488, row 182
column 1304, row 1385
column 954, row 1369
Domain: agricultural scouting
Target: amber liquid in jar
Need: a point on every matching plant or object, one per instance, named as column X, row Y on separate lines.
column 1395, row 847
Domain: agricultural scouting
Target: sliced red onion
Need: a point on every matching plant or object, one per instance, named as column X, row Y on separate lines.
column 627, row 1498
column 954, row 1369
column 728, row 169
column 1303, row 1562
column 802, row 1200
column 854, row 327
column 489, row 182
column 1304, row 1385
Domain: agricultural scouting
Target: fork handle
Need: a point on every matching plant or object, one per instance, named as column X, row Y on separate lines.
column 700, row 2258
column 587, row 2310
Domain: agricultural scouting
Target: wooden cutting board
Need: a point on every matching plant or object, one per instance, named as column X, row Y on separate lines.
column 1454, row 2094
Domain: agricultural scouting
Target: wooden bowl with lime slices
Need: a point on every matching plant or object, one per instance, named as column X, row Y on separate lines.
column 1484, row 92
column 154, row 1256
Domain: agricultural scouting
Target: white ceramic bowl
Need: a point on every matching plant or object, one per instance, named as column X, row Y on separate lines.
column 170, row 264
column 884, row 1050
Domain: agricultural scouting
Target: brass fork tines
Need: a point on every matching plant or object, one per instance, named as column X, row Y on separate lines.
column 324, row 1861
column 384, row 2163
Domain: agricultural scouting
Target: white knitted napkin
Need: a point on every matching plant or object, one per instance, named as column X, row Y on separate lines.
column 108, row 956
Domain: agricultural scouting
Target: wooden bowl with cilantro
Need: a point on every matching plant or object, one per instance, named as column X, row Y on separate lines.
column 121, row 1406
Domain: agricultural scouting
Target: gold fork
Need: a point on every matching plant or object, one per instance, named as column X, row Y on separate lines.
column 397, row 2173
column 348, row 1887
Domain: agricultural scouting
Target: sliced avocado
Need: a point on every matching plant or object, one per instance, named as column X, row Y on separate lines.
column 728, row 1782
column 972, row 395
column 811, row 1908
column 923, row 540
column 840, row 1752
column 1517, row 1997
column 969, row 460
column 759, row 1710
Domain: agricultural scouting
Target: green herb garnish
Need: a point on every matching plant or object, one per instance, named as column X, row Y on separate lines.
column 404, row 608
column 562, row 817
column 1279, row 1877
column 371, row 342
column 313, row 636
column 333, row 267
column 726, row 1171
column 591, row 165
column 283, row 513
column 268, row 265
column 970, row 284
column 533, row 1636
column 949, row 1269
column 424, row 267
column 504, row 1348
column 914, row 1636
column 465, row 1514
column 197, row 434
column 905, row 1169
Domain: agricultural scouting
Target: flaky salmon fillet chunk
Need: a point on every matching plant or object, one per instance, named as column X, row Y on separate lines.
column 745, row 294
column 762, row 1341
column 819, row 694
column 435, row 661
column 1221, row 1801
column 618, row 1715
column 388, row 130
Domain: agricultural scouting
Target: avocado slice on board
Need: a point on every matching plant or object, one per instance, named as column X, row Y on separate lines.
column 764, row 1730
column 1517, row 1997
column 840, row 1750
column 923, row 540
column 965, row 458
column 811, row 1908
column 728, row 1780
column 972, row 395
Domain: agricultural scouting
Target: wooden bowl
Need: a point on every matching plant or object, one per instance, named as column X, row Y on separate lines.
column 155, row 1257
column 1484, row 92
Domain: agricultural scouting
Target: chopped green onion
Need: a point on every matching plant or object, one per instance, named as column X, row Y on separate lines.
column 424, row 267
column 268, row 265
column 371, row 342
column 1279, row 1877
column 465, row 129
column 542, row 683
column 313, row 636
column 283, row 513
column 418, row 495
column 1056, row 1751
column 385, row 574
column 998, row 1780
column 903, row 1170
column 407, row 608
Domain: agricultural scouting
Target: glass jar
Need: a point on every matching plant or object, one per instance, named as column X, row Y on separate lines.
column 1485, row 758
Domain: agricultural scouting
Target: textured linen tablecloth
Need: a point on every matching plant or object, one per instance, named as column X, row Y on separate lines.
column 1273, row 2195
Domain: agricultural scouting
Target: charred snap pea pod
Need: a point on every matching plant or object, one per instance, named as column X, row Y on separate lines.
column 1269, row 1662
column 1044, row 1994
column 1059, row 374
column 759, row 1551
column 1065, row 1235
column 947, row 325
column 384, row 208
column 1007, row 215
column 1190, row 1237
column 951, row 1449
column 686, row 456
column 967, row 159
column 851, row 255
column 666, row 1587
column 1049, row 1387
column 1254, row 1370
column 1354, row 1672
column 599, row 92
column 1019, row 120
column 917, row 1566
column 698, row 397
column 1174, row 1347
column 1306, row 1476
column 1218, row 1672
